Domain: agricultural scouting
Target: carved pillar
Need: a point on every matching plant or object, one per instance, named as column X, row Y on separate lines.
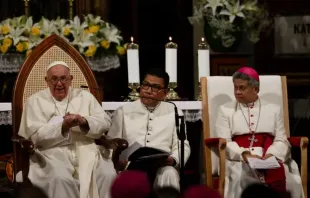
column 70, row 9
column 26, row 7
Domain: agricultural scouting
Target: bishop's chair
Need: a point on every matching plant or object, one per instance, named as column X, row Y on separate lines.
column 31, row 80
column 218, row 90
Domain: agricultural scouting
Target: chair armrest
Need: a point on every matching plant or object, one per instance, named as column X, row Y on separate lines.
column 27, row 149
column 110, row 143
column 26, row 145
column 118, row 145
column 220, row 145
column 121, row 145
column 106, row 142
column 215, row 142
column 298, row 141
column 302, row 142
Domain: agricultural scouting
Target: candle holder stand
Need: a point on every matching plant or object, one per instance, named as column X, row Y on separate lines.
column 134, row 94
column 199, row 97
column 172, row 94
column 26, row 8
column 70, row 9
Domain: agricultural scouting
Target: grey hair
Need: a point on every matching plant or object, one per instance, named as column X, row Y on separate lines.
column 251, row 81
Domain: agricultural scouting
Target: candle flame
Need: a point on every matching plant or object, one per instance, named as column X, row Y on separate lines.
column 170, row 38
column 131, row 38
column 202, row 39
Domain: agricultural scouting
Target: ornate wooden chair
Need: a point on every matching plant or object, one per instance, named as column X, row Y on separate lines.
column 218, row 90
column 31, row 79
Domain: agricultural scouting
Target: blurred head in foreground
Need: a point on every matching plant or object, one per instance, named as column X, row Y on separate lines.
column 133, row 184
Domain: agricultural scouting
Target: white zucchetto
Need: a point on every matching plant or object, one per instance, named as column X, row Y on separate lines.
column 57, row 63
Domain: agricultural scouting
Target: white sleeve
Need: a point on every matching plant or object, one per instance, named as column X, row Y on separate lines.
column 116, row 130
column 35, row 126
column 233, row 150
column 98, row 120
column 280, row 147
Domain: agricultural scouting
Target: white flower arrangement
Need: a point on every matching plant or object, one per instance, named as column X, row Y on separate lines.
column 227, row 17
column 91, row 37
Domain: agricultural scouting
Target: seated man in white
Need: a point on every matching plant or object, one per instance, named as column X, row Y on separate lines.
column 63, row 122
column 151, row 123
column 254, row 128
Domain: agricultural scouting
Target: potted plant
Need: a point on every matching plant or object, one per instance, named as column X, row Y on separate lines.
column 226, row 21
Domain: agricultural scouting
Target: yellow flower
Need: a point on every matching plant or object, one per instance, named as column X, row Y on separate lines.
column 4, row 49
column 94, row 29
column 67, row 31
column 5, row 29
column 28, row 53
column 20, row 47
column 105, row 44
column 86, row 31
column 26, row 45
column 121, row 50
column 35, row 31
column 90, row 51
column 7, row 41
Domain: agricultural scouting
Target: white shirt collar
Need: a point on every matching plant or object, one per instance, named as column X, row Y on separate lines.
column 150, row 109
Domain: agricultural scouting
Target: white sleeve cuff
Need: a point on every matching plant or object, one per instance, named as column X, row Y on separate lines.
column 67, row 134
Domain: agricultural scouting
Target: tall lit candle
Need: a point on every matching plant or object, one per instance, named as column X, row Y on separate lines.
column 133, row 62
column 171, row 60
column 203, row 60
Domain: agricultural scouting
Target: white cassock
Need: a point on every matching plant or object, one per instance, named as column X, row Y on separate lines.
column 234, row 119
column 72, row 166
column 136, row 123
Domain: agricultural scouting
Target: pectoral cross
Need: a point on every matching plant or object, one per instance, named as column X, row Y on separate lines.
column 252, row 139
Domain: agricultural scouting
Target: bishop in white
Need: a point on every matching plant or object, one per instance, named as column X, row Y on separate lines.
column 63, row 122
column 254, row 128
column 151, row 123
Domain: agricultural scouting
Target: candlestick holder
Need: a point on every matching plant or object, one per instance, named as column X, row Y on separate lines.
column 171, row 44
column 70, row 9
column 172, row 94
column 26, row 8
column 199, row 97
column 203, row 44
column 134, row 94
column 132, row 45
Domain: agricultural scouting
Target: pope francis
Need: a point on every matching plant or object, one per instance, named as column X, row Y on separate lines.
column 151, row 123
column 63, row 122
column 254, row 128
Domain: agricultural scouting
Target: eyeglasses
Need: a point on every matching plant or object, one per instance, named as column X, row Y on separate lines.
column 63, row 80
column 241, row 88
column 154, row 87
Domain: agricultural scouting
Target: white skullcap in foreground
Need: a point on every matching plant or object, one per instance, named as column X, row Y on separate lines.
column 57, row 63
